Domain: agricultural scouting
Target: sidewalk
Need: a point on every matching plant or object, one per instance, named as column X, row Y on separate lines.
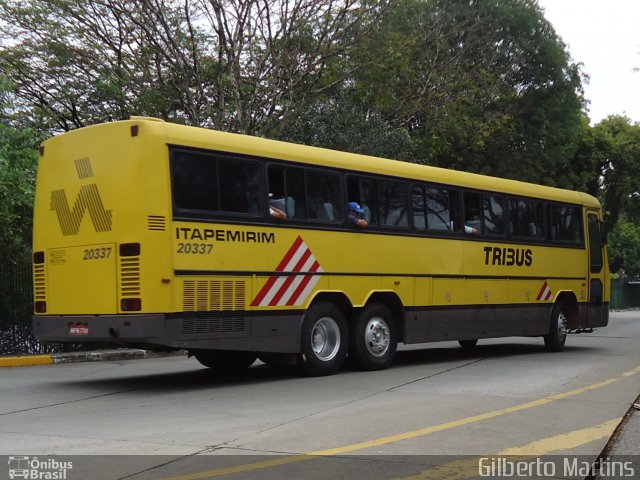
column 624, row 444
column 90, row 356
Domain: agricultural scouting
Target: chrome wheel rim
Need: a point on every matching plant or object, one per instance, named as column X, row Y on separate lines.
column 377, row 336
column 325, row 339
column 562, row 325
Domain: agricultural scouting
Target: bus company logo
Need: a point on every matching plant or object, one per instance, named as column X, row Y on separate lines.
column 35, row 469
column 545, row 293
column 291, row 289
column 89, row 198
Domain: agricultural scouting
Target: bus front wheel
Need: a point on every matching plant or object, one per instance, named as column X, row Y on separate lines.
column 225, row 360
column 555, row 340
column 325, row 340
column 373, row 339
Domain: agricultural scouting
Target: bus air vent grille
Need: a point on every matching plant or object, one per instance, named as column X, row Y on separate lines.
column 39, row 282
column 157, row 223
column 214, row 295
column 129, row 277
column 224, row 325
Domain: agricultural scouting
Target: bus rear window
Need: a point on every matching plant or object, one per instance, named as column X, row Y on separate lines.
column 209, row 183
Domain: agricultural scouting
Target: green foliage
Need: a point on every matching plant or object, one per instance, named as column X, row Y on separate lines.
column 624, row 248
column 18, row 159
column 616, row 153
column 339, row 124
column 483, row 86
column 232, row 65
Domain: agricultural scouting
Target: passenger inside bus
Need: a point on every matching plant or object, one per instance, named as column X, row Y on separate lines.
column 355, row 215
column 277, row 207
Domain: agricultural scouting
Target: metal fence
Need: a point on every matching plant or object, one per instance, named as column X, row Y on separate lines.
column 624, row 295
column 15, row 310
column 16, row 289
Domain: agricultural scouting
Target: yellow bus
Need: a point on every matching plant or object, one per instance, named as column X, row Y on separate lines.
column 234, row 247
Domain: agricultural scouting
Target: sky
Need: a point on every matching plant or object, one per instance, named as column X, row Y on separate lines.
column 603, row 35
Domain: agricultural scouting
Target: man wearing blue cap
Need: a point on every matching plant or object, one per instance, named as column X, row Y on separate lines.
column 354, row 215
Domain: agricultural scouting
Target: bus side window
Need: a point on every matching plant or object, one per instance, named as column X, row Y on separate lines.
column 239, row 186
column 439, row 209
column 526, row 218
column 494, row 214
column 323, row 194
column 194, row 180
column 393, row 203
column 286, row 185
column 456, row 210
column 418, row 207
column 472, row 213
column 363, row 191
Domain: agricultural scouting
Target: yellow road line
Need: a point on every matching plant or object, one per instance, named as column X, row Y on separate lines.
column 469, row 467
column 26, row 361
column 354, row 447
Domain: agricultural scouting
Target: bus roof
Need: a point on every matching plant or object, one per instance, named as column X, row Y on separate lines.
column 198, row 137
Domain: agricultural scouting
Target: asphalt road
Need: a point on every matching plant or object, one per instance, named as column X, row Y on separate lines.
column 435, row 414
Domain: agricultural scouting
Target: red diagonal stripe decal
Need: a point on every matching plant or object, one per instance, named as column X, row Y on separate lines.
column 303, row 284
column 291, row 278
column 281, row 266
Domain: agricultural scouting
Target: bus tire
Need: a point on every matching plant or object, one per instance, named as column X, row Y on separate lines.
column 555, row 340
column 226, row 360
column 374, row 339
column 324, row 340
column 468, row 345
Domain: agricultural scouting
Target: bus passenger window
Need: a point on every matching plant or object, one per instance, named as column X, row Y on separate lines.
column 364, row 191
column 439, row 209
column 239, row 186
column 393, row 204
column 418, row 207
column 472, row 213
column 194, row 181
column 323, row 196
column 526, row 218
column 565, row 223
column 493, row 211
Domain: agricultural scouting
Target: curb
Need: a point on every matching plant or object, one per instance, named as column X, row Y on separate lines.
column 91, row 356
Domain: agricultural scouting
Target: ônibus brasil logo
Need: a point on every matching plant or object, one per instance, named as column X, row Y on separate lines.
column 88, row 198
column 35, row 469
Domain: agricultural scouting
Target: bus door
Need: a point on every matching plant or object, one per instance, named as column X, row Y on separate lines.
column 597, row 310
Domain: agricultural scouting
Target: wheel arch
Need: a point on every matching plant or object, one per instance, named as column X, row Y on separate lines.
column 571, row 308
column 339, row 299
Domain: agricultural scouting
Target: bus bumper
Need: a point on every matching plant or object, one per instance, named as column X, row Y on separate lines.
column 179, row 331
column 100, row 328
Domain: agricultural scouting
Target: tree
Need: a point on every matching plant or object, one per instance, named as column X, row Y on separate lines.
column 624, row 248
column 484, row 86
column 617, row 157
column 18, row 159
column 230, row 64
column 340, row 123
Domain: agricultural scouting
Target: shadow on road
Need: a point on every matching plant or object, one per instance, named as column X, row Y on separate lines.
column 202, row 378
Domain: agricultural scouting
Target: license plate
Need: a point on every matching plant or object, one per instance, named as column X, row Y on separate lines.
column 79, row 329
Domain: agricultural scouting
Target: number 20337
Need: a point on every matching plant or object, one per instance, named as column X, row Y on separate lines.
column 195, row 248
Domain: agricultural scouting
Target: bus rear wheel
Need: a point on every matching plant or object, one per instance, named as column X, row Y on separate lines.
column 225, row 360
column 325, row 340
column 555, row 340
column 374, row 338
